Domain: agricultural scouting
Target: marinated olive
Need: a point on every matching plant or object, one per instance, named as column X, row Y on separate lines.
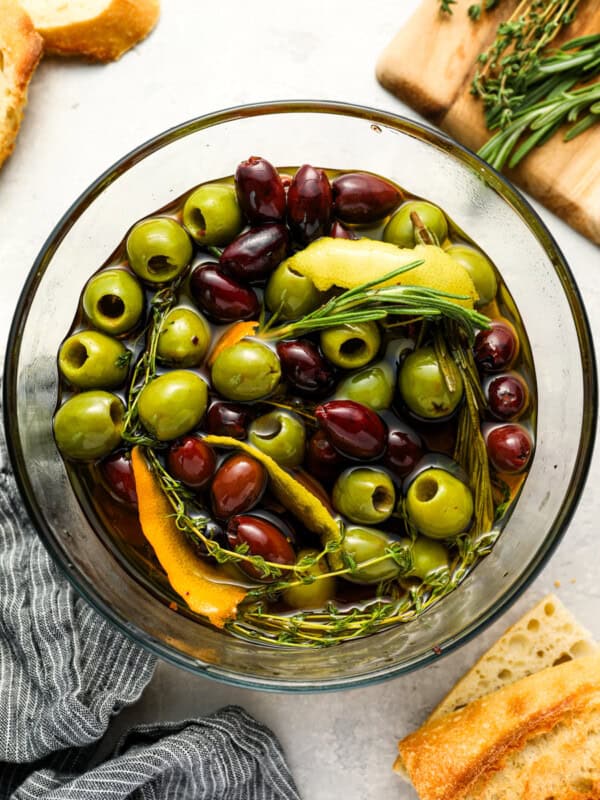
column 88, row 426
column 238, row 485
column 430, row 558
column 309, row 204
column 364, row 494
column 212, row 215
column 401, row 229
column 509, row 448
column 351, row 346
column 373, row 387
column 305, row 368
column 255, row 254
column 364, row 544
column 280, row 435
column 192, row 462
column 353, row 429
column 172, row 404
column 479, row 268
column 507, row 396
column 496, row 347
column 117, row 475
column 322, row 459
column 260, row 191
column 246, row 371
column 405, row 449
column 289, row 294
column 263, row 539
column 158, row 249
column 92, row 360
column 184, row 338
column 221, row 297
column 361, row 198
column 113, row 301
column 438, row 504
column 339, row 231
column 227, row 419
column 313, row 595
column 424, row 387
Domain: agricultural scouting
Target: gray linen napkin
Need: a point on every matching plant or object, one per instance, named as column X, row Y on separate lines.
column 65, row 671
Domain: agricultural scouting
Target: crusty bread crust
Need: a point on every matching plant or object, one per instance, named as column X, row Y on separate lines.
column 20, row 51
column 103, row 37
column 447, row 757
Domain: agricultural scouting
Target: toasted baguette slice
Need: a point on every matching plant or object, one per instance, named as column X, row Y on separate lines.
column 547, row 635
column 20, row 52
column 536, row 739
column 97, row 29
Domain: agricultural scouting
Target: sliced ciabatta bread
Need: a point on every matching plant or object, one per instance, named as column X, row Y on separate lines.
column 547, row 635
column 20, row 51
column 535, row 739
column 98, row 29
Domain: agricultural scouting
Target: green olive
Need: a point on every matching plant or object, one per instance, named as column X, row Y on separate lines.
column 172, row 404
column 93, row 360
column 246, row 371
column 430, row 558
column 88, row 426
column 372, row 387
column 351, row 346
column 313, row 595
column 400, row 229
column 438, row 504
column 113, row 301
column 212, row 214
column 423, row 385
column 364, row 494
column 364, row 544
column 158, row 249
column 280, row 435
column 289, row 294
column 479, row 268
column 184, row 338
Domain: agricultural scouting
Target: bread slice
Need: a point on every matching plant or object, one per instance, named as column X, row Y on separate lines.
column 536, row 739
column 20, row 52
column 99, row 29
column 547, row 635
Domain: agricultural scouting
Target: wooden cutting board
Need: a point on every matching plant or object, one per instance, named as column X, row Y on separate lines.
column 430, row 64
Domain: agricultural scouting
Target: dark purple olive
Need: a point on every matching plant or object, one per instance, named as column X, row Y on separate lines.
column 404, row 449
column 353, row 429
column 322, row 459
column 339, row 231
column 361, row 198
column 191, row 461
column 238, row 485
column 263, row 539
column 255, row 254
column 507, row 396
column 309, row 204
column 509, row 448
column 117, row 474
column 305, row 368
column 496, row 347
column 221, row 297
column 227, row 419
column 260, row 191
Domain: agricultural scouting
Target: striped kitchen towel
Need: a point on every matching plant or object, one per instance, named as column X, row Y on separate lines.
column 65, row 671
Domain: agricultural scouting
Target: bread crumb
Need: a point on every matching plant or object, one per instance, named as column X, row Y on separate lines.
column 557, row 584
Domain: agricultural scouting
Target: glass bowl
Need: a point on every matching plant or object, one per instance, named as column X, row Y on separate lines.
column 343, row 137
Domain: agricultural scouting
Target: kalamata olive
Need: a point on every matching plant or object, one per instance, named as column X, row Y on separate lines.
column 309, row 204
column 238, row 485
column 353, row 429
column 260, row 191
column 339, row 231
column 222, row 298
column 496, row 347
column 263, row 539
column 507, row 396
column 305, row 368
column 117, row 474
column 192, row 462
column 255, row 254
column 404, row 449
column 509, row 448
column 227, row 419
column 322, row 459
column 361, row 198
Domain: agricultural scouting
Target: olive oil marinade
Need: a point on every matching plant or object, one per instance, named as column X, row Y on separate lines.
column 328, row 393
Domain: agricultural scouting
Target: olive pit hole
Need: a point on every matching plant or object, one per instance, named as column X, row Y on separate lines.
column 197, row 220
column 382, row 499
column 158, row 264
column 111, row 306
column 353, row 347
column 116, row 412
column 268, row 429
column 76, row 355
column 426, row 489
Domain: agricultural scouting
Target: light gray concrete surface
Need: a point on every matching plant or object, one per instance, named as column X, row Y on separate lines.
column 203, row 57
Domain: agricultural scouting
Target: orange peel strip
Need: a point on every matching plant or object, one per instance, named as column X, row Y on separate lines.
column 232, row 336
column 196, row 581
